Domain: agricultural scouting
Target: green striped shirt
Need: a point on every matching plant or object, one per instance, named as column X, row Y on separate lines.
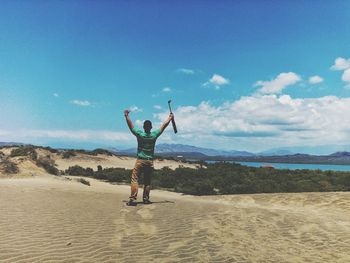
column 146, row 143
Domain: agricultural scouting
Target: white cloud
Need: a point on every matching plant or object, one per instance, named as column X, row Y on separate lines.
column 276, row 85
column 55, row 94
column 166, row 89
column 83, row 103
column 341, row 64
column 134, row 108
column 186, row 71
column 346, row 75
column 219, row 80
column 216, row 80
column 157, row 107
column 265, row 121
column 76, row 135
column 315, row 79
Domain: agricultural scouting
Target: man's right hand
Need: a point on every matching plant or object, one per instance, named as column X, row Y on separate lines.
column 126, row 113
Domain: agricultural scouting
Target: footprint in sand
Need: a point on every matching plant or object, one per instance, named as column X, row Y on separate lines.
column 147, row 229
column 121, row 229
column 145, row 212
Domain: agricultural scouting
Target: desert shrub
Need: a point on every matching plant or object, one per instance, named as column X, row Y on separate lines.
column 101, row 151
column 114, row 175
column 51, row 150
column 80, row 171
column 27, row 150
column 68, row 154
column 48, row 164
column 83, row 181
column 75, row 170
column 10, row 167
column 99, row 168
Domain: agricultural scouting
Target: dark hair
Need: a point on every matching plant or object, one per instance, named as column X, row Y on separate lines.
column 147, row 125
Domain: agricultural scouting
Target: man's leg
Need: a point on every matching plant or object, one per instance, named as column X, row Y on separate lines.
column 134, row 179
column 147, row 181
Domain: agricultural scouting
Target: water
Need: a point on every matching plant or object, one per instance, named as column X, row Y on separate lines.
column 295, row 166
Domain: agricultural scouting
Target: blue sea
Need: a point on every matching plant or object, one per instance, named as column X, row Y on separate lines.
column 295, row 166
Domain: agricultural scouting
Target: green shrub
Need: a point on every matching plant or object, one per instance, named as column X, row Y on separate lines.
column 27, row 150
column 10, row 167
column 77, row 170
column 68, row 154
column 83, row 181
column 48, row 164
column 101, row 151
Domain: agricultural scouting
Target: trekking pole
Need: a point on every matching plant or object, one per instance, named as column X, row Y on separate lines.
column 172, row 120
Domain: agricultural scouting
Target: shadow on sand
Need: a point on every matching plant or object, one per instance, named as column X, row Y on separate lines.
column 153, row 202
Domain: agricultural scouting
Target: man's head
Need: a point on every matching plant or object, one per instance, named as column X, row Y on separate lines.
column 147, row 126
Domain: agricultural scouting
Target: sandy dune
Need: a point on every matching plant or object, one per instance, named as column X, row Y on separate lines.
column 105, row 161
column 53, row 219
column 28, row 168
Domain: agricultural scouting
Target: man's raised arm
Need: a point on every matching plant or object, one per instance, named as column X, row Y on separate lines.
column 128, row 120
column 166, row 123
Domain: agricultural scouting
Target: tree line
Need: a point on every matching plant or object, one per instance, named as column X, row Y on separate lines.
column 227, row 178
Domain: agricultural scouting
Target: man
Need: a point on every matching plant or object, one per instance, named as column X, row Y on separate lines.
column 145, row 153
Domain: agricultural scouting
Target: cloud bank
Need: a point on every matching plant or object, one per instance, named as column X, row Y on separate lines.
column 266, row 121
column 74, row 135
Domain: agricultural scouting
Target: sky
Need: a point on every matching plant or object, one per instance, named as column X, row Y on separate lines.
column 242, row 75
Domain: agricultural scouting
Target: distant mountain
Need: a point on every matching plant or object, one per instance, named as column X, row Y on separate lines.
column 334, row 158
column 166, row 149
column 315, row 150
column 11, row 144
column 275, row 152
column 340, row 154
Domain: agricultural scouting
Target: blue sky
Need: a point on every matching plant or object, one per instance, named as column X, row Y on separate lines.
column 238, row 72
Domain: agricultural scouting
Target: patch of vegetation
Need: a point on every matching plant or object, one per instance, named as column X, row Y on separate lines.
column 101, row 151
column 48, row 164
column 10, row 167
column 68, row 154
column 51, row 150
column 77, row 170
column 93, row 152
column 227, row 178
column 83, row 181
column 27, row 150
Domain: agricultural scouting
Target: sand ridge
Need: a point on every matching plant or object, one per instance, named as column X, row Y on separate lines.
column 85, row 160
column 55, row 219
column 28, row 167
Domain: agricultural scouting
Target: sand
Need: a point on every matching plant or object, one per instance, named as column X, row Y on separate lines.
column 28, row 167
column 105, row 161
column 54, row 219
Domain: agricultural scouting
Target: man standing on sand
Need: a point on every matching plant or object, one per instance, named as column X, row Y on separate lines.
column 146, row 141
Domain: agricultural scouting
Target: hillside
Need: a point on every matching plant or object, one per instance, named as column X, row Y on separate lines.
column 31, row 161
